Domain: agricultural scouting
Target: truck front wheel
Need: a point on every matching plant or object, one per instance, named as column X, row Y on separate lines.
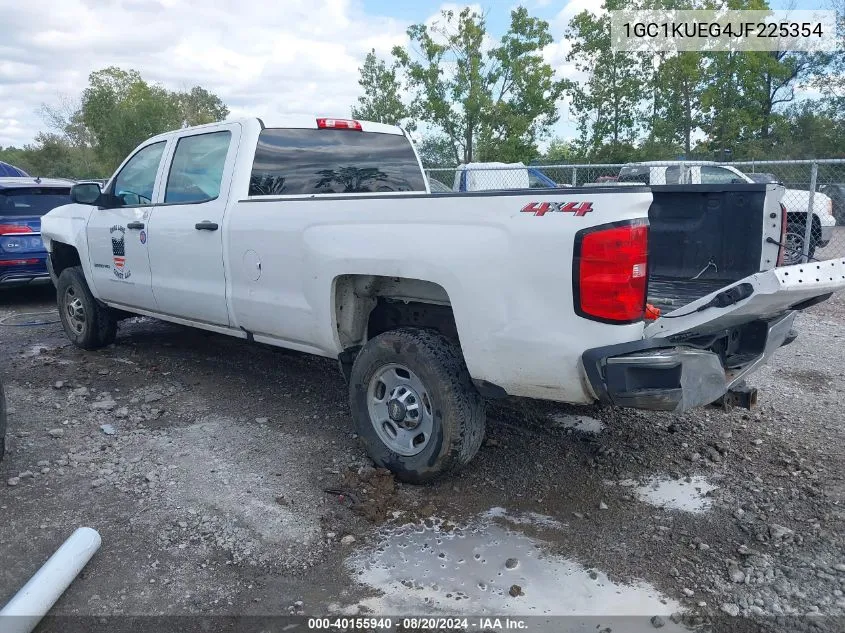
column 87, row 324
column 414, row 405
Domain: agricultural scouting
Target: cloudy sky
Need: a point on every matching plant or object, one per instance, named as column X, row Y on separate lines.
column 259, row 56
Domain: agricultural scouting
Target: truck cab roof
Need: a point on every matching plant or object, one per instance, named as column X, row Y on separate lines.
column 284, row 122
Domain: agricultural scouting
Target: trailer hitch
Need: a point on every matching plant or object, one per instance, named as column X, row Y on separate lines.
column 741, row 396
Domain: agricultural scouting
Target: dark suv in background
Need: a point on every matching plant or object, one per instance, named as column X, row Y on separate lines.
column 23, row 201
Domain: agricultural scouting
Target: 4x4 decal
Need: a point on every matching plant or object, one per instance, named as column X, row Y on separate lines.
column 580, row 209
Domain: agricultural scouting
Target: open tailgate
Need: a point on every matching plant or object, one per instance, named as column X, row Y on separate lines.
column 761, row 295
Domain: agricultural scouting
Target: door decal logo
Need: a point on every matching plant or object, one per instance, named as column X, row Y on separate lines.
column 118, row 249
column 143, row 237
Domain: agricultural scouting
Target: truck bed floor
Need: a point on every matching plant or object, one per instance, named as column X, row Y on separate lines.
column 671, row 294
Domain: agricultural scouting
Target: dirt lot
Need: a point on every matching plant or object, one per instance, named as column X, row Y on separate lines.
column 225, row 480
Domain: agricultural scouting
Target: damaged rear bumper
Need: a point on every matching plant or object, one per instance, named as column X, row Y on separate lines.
column 665, row 375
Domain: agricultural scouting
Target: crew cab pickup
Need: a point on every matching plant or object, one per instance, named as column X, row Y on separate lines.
column 321, row 235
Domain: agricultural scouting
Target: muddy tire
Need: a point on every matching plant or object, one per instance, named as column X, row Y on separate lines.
column 87, row 324
column 414, row 406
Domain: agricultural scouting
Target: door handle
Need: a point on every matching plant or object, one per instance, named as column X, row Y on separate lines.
column 205, row 225
column 135, row 225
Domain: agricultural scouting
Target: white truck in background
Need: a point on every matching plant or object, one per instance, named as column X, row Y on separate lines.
column 493, row 176
column 796, row 201
column 321, row 235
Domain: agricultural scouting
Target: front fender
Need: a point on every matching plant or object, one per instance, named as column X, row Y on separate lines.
column 67, row 224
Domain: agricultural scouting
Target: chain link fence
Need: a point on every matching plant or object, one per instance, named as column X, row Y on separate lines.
column 814, row 198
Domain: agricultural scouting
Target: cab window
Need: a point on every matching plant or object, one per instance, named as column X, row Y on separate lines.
column 308, row 162
column 196, row 172
column 134, row 184
column 718, row 176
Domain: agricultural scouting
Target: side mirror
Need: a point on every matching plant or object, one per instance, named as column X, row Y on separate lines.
column 85, row 193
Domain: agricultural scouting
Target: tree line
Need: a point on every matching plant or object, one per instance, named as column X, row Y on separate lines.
column 117, row 111
column 473, row 100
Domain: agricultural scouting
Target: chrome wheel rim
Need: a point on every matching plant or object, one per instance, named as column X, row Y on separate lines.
column 401, row 410
column 75, row 310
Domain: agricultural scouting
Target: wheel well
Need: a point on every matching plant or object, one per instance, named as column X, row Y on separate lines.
column 367, row 305
column 801, row 219
column 63, row 256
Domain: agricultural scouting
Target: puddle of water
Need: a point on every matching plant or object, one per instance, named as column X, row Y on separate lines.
column 675, row 494
column 527, row 518
column 582, row 423
column 471, row 570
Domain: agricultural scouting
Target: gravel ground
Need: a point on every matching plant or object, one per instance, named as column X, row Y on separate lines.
column 225, row 480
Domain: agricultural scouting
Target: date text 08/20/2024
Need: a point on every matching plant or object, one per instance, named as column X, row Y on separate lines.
column 423, row 623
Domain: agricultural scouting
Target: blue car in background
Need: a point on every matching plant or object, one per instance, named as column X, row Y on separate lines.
column 23, row 201
column 501, row 176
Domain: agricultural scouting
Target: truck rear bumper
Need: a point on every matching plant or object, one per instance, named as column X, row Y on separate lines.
column 658, row 375
column 20, row 279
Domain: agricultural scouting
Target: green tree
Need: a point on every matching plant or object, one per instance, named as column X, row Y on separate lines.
column 562, row 151
column 436, row 151
column 381, row 101
column 829, row 79
column 198, row 106
column 121, row 110
column 490, row 102
column 17, row 157
column 677, row 86
column 609, row 104
column 809, row 130
column 68, row 149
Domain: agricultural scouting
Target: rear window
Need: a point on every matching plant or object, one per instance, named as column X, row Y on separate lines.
column 306, row 162
column 643, row 174
column 32, row 200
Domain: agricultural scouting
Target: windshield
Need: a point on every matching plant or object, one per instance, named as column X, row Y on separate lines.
column 32, row 200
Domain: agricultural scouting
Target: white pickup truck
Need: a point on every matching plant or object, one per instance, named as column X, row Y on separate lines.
column 321, row 235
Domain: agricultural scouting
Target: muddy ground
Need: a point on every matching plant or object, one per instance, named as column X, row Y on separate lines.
column 225, row 480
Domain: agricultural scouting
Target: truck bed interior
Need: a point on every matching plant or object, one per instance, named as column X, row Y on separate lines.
column 702, row 238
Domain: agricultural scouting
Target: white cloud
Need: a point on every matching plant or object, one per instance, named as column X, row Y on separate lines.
column 572, row 8
column 261, row 57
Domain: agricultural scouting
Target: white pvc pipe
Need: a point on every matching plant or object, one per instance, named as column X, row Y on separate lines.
column 25, row 610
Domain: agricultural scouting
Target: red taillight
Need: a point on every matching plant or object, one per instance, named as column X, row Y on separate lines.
column 781, row 250
column 17, row 262
column 611, row 272
column 14, row 229
column 339, row 124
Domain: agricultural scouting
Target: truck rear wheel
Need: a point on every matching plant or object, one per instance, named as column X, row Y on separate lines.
column 794, row 239
column 414, row 405
column 87, row 324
